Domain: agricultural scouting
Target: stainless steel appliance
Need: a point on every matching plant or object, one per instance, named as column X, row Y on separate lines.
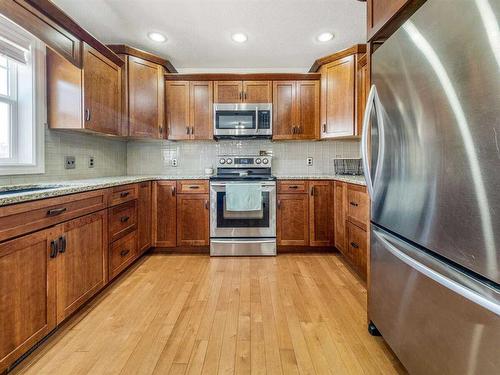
column 243, row 233
column 433, row 122
column 243, row 120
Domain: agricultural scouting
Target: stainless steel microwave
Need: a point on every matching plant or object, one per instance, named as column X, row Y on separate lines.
column 243, row 120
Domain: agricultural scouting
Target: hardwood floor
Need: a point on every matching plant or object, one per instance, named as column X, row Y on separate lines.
column 192, row 314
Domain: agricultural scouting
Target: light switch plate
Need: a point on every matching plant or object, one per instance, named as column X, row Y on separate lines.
column 69, row 162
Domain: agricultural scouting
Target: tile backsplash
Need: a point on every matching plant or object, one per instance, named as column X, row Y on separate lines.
column 289, row 158
column 110, row 155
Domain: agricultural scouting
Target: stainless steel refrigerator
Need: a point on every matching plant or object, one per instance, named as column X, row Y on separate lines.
column 431, row 150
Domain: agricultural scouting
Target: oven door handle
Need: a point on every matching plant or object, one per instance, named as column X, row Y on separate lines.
column 242, row 241
column 225, row 184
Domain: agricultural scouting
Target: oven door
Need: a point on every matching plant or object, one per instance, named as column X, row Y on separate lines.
column 240, row 224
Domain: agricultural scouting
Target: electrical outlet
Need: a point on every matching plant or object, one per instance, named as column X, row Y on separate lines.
column 69, row 162
column 174, row 162
column 91, row 162
column 309, row 161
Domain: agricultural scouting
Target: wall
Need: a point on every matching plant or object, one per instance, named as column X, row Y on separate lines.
column 110, row 158
column 193, row 157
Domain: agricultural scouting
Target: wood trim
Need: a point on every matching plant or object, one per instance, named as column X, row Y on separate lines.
column 139, row 53
column 357, row 48
column 243, row 77
column 385, row 27
column 362, row 60
column 56, row 14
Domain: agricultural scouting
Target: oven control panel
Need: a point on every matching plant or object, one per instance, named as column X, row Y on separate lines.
column 255, row 161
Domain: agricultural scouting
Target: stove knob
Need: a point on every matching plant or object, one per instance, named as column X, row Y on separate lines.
column 222, row 161
column 229, row 161
column 258, row 161
column 265, row 161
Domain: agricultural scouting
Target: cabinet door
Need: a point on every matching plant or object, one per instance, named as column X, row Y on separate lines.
column 284, row 112
column 338, row 119
column 228, row 91
column 164, row 214
column 102, row 93
column 307, row 109
column 145, row 98
column 319, row 211
column 200, row 107
column 293, row 220
column 81, row 262
column 178, row 109
column 144, row 214
column 257, row 91
column 358, row 205
column 28, row 293
column 380, row 13
column 340, row 197
column 192, row 220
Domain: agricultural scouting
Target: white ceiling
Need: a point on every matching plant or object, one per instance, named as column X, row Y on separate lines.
column 281, row 33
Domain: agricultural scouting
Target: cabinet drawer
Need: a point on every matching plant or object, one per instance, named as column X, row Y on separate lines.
column 22, row 218
column 122, row 219
column 357, row 205
column 121, row 253
column 288, row 187
column 192, row 186
column 357, row 246
column 124, row 193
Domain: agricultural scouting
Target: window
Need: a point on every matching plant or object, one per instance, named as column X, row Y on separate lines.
column 22, row 100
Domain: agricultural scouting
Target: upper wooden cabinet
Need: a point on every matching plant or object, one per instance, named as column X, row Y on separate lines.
column 242, row 92
column 295, row 109
column 340, row 97
column 189, row 109
column 84, row 99
column 385, row 16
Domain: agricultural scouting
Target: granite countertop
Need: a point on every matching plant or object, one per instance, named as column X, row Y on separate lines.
column 58, row 188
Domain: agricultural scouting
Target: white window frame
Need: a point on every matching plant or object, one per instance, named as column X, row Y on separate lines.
column 34, row 125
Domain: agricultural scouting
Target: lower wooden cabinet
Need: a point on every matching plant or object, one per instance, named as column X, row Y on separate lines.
column 357, row 248
column 164, row 214
column 122, row 253
column 293, row 220
column 144, row 213
column 193, row 219
column 320, row 209
column 339, row 208
column 28, row 293
column 81, row 261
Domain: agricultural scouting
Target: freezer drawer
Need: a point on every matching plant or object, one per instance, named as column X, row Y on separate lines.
column 436, row 319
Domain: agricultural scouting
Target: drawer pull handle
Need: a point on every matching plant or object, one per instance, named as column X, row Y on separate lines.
column 354, row 245
column 124, row 219
column 194, row 187
column 293, row 187
column 124, row 252
column 56, row 211
column 206, row 205
column 173, row 191
column 354, row 204
column 124, row 194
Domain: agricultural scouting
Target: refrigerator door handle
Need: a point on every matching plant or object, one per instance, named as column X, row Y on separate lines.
column 370, row 103
column 489, row 304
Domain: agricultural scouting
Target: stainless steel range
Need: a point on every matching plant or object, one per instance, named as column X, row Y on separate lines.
column 243, row 207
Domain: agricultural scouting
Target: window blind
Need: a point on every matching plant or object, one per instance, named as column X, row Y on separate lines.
column 15, row 43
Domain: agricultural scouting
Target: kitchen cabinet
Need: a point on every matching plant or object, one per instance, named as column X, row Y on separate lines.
column 320, row 219
column 28, row 293
column 358, row 206
column 385, row 16
column 164, row 214
column 193, row 219
column 143, row 91
column 87, row 99
column 81, row 261
column 242, row 92
column 357, row 248
column 296, row 106
column 122, row 253
column 339, row 207
column 293, row 220
column 189, row 109
column 144, row 213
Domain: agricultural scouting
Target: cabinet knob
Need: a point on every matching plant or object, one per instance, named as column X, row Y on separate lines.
column 206, row 204
column 187, row 130
column 173, row 191
column 124, row 252
column 353, row 204
column 354, row 245
column 124, row 194
column 124, row 219
column 87, row 114
column 324, row 128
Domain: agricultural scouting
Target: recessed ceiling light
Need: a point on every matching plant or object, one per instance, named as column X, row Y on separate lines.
column 157, row 37
column 325, row 37
column 239, row 37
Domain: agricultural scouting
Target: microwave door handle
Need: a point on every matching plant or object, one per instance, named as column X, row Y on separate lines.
column 256, row 120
